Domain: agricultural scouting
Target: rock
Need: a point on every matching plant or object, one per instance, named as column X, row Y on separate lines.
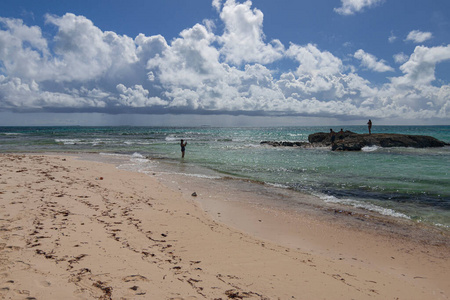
column 351, row 141
column 284, row 144
column 346, row 147
column 325, row 139
column 194, row 194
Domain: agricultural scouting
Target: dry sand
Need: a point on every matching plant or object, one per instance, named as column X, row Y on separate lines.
column 73, row 229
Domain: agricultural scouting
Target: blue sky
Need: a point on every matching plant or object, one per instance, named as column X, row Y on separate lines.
column 219, row 62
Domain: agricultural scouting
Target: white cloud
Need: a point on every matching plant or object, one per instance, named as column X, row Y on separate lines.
column 137, row 97
column 19, row 32
column 217, row 4
column 419, row 70
column 188, row 61
column 414, row 92
column 19, row 95
column 17, row 58
column 370, row 62
column 85, row 52
column 82, row 68
column 14, row 93
column 243, row 39
column 392, row 38
column 350, row 7
column 400, row 57
column 418, row 36
column 313, row 61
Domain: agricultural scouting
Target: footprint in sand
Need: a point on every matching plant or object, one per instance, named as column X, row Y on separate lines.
column 4, row 289
column 22, row 292
column 134, row 278
column 7, row 286
column 138, row 291
column 43, row 283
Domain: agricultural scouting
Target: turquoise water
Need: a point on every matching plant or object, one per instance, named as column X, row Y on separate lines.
column 403, row 182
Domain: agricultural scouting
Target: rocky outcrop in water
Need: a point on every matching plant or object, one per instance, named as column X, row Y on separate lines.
column 351, row 141
column 286, row 144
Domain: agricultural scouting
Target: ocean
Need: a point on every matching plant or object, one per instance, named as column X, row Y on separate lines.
column 404, row 183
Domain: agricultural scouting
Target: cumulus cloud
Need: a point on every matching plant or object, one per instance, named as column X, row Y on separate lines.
column 320, row 75
column 85, row 52
column 137, row 96
column 217, row 4
column 243, row 39
column 188, row 61
column 83, row 68
column 19, row 95
column 350, row 7
column 418, row 36
column 370, row 62
column 419, row 70
column 17, row 58
column 400, row 58
column 313, row 61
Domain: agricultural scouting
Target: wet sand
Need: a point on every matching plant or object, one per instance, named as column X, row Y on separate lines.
column 72, row 229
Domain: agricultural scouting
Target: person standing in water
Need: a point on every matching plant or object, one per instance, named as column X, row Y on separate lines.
column 369, row 125
column 183, row 148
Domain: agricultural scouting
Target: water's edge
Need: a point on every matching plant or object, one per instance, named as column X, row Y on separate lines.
column 279, row 198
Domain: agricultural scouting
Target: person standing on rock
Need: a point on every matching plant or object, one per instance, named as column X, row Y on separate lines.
column 332, row 136
column 369, row 125
column 341, row 135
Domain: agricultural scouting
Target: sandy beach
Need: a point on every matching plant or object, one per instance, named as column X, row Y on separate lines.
column 73, row 229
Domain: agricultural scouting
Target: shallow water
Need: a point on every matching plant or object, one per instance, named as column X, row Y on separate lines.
column 402, row 182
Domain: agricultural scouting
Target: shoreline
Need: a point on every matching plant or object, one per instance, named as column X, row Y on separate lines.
column 224, row 234
column 379, row 205
column 286, row 198
column 254, row 194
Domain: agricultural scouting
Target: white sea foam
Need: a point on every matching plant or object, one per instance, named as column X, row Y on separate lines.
column 114, row 154
column 132, row 142
column 252, row 145
column 93, row 142
column 442, row 225
column 137, row 155
column 171, row 138
column 364, row 205
column 139, row 158
column 198, row 175
column 370, row 148
column 68, row 141
column 189, row 175
column 277, row 185
column 138, row 163
column 96, row 142
column 239, row 147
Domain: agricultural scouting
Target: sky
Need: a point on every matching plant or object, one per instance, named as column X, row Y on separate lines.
column 224, row 62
